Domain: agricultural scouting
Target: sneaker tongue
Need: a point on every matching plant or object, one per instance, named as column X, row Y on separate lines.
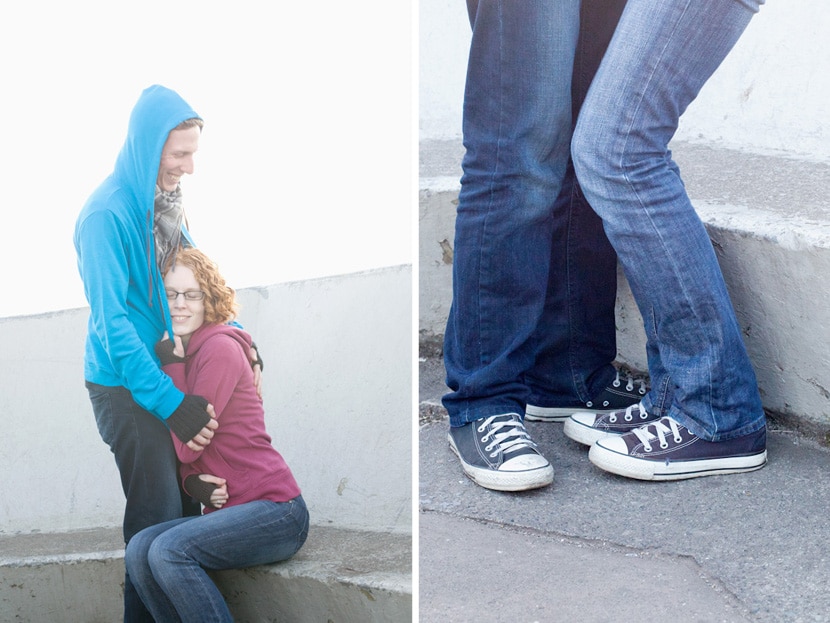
column 510, row 435
column 507, row 418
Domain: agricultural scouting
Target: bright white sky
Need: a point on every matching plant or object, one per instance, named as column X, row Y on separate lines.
column 306, row 165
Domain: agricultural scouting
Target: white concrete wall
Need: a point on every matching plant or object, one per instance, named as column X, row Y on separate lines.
column 444, row 41
column 337, row 390
column 766, row 96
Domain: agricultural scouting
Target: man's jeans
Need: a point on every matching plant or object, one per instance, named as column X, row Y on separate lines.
column 148, row 467
column 662, row 54
column 167, row 562
column 534, row 277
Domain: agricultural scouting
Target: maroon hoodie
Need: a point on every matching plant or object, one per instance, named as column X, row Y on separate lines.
column 219, row 370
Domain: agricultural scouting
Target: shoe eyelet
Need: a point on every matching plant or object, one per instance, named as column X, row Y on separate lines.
column 616, row 383
column 629, row 387
column 606, row 403
column 589, row 404
column 641, row 391
column 664, row 445
column 647, row 447
column 678, row 439
column 612, row 419
column 628, row 417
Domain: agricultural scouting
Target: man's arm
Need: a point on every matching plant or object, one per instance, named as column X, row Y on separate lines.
column 258, row 367
column 172, row 357
column 106, row 276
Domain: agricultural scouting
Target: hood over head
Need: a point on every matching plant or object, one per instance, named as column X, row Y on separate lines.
column 156, row 113
column 207, row 331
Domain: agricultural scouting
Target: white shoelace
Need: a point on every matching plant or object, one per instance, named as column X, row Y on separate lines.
column 645, row 435
column 630, row 381
column 629, row 413
column 512, row 438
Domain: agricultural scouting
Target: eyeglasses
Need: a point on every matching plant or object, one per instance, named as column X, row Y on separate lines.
column 190, row 295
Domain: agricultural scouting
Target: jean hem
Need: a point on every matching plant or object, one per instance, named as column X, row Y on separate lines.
column 467, row 417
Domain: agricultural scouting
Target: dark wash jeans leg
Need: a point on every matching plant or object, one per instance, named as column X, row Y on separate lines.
column 517, row 127
column 576, row 337
column 147, row 463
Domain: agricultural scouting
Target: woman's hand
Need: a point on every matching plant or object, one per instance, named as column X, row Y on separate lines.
column 170, row 351
column 178, row 348
column 219, row 497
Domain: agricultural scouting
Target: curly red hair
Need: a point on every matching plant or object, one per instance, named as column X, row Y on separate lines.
column 220, row 298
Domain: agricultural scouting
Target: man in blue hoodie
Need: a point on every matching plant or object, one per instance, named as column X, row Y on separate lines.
column 126, row 231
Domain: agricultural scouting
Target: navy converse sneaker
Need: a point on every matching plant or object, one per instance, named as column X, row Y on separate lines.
column 666, row 450
column 617, row 396
column 497, row 453
column 587, row 428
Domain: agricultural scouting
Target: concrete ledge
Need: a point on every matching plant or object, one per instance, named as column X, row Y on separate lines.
column 72, row 576
column 339, row 576
column 769, row 221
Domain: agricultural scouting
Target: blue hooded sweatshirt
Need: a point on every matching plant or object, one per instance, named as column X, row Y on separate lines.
column 116, row 258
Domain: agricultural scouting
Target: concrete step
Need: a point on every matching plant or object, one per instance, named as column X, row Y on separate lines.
column 339, row 576
column 769, row 219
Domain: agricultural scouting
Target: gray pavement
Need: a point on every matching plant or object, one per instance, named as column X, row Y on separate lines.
column 594, row 547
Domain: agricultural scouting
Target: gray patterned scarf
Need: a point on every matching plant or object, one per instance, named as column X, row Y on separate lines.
column 167, row 228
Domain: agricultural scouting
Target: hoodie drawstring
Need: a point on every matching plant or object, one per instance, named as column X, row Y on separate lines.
column 150, row 272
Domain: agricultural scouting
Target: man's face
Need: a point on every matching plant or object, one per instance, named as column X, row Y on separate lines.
column 177, row 157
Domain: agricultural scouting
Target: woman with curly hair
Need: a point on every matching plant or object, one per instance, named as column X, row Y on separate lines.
column 263, row 517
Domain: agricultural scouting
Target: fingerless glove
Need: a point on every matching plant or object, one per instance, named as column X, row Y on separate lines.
column 164, row 350
column 258, row 360
column 189, row 418
column 199, row 489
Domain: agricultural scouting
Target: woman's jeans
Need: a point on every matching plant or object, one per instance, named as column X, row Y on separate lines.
column 661, row 55
column 147, row 463
column 168, row 562
column 534, row 276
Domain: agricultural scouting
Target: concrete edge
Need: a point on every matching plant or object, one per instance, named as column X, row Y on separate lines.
column 349, row 575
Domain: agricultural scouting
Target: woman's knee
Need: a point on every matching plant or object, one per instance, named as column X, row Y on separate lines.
column 161, row 549
column 592, row 157
column 135, row 554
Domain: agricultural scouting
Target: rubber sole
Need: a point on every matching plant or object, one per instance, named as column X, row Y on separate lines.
column 645, row 469
column 554, row 414
column 503, row 480
column 583, row 434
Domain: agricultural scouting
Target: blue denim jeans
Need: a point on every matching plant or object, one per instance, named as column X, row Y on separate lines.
column 147, row 463
column 168, row 562
column 661, row 55
column 534, row 277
